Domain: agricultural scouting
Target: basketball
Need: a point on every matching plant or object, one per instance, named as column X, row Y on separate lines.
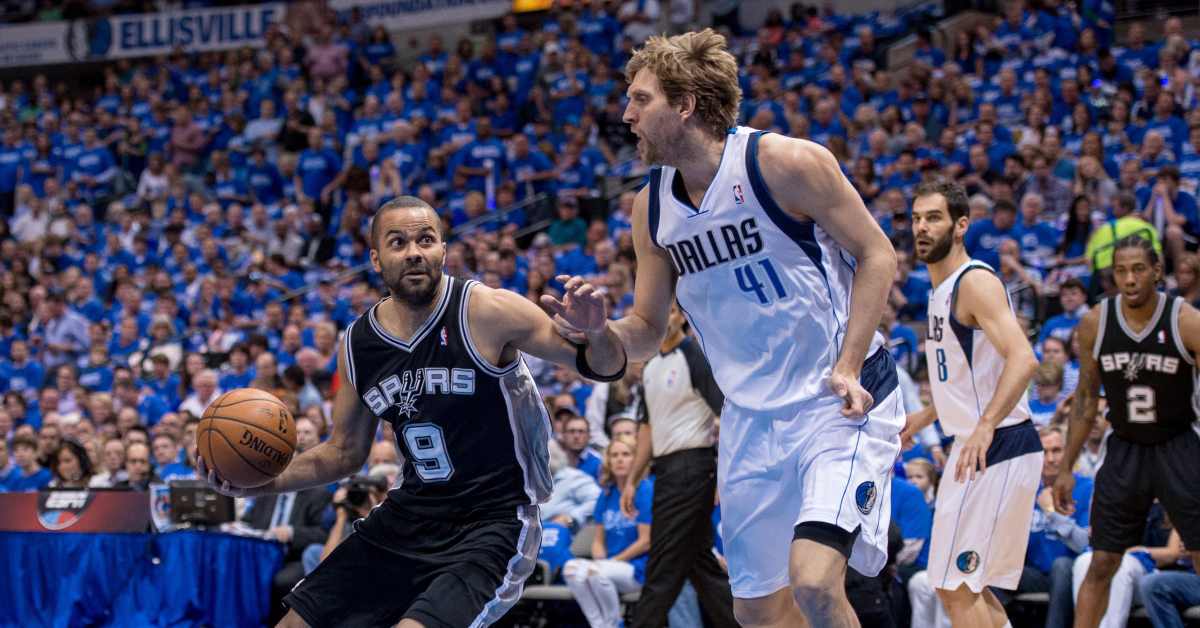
column 247, row 436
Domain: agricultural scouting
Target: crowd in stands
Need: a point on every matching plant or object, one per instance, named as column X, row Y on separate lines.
column 196, row 223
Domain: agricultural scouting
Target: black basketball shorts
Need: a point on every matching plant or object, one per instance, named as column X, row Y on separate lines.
column 1132, row 477
column 442, row 574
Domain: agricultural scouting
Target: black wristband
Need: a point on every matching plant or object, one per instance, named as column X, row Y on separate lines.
column 581, row 365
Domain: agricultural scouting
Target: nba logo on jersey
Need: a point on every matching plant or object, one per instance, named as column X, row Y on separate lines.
column 738, row 197
column 444, row 337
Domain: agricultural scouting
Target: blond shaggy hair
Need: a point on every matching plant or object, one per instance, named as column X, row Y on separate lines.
column 696, row 63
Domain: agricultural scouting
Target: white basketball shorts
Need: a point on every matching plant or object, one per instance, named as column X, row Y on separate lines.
column 981, row 526
column 807, row 464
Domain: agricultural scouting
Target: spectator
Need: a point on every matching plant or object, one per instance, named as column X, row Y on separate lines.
column 293, row 519
column 619, row 551
column 71, row 466
column 1123, row 223
column 206, row 391
column 352, row 501
column 63, row 332
column 1043, row 405
column 574, row 440
column 308, row 435
column 112, row 468
column 1165, row 593
column 1072, row 296
column 167, row 455
column 984, row 237
column 575, row 492
column 1055, row 539
column 1187, row 278
column 27, row 475
column 921, row 474
column 1038, row 238
column 912, row 514
column 138, row 473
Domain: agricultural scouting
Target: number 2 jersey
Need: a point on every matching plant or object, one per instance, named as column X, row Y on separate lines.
column 768, row 295
column 1149, row 378
column 964, row 366
column 473, row 435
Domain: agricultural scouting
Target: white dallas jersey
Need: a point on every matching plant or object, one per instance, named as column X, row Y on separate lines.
column 768, row 295
column 964, row 366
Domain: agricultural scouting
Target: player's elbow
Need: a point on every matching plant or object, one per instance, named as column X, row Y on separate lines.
column 1026, row 361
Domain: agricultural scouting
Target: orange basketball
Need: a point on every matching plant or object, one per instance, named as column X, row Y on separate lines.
column 247, row 436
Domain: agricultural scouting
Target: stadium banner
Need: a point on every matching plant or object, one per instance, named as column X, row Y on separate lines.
column 33, row 44
column 414, row 14
column 140, row 35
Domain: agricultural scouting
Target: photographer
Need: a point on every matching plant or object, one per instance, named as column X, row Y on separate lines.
column 353, row 500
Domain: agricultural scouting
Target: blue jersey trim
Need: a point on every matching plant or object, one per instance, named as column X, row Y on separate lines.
column 802, row 233
column 879, row 374
column 964, row 333
column 652, row 208
column 1013, row 441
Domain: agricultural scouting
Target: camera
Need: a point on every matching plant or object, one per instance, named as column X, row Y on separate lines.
column 358, row 490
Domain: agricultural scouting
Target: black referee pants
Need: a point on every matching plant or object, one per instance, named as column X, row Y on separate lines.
column 681, row 541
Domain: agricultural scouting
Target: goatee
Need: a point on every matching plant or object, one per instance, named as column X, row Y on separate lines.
column 417, row 296
column 939, row 250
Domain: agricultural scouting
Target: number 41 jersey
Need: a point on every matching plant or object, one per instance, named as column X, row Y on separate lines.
column 1149, row 377
column 474, row 436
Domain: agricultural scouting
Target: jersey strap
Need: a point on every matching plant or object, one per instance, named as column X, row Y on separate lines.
column 964, row 333
column 803, row 233
column 652, row 208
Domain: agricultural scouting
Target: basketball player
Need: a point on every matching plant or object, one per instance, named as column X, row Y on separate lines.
column 980, row 364
column 783, row 274
column 438, row 359
column 1142, row 347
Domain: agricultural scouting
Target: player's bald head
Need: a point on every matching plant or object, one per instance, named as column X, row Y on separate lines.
column 402, row 203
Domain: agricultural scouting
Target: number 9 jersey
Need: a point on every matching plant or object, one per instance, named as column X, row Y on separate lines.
column 473, row 435
column 964, row 366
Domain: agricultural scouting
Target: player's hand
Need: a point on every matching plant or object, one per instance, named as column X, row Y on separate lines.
column 627, row 495
column 1064, row 489
column 221, row 486
column 856, row 401
column 562, row 520
column 974, row 453
column 582, row 307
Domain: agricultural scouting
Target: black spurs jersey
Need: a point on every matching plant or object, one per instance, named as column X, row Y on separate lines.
column 474, row 436
column 1149, row 378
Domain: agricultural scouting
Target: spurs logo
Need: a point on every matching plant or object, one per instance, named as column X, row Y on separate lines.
column 1135, row 365
column 410, row 390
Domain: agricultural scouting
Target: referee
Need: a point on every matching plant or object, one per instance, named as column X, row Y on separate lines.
column 681, row 403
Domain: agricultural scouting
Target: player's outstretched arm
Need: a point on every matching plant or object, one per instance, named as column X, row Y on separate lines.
column 807, row 182
column 344, row 453
column 643, row 329
column 1084, row 408
column 983, row 302
column 511, row 320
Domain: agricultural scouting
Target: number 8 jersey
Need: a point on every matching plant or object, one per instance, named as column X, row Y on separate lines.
column 473, row 435
column 964, row 366
column 1149, row 377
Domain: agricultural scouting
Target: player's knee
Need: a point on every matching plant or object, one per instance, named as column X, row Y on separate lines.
column 1104, row 565
column 817, row 598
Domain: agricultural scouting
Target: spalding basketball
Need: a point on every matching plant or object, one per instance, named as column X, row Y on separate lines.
column 247, row 436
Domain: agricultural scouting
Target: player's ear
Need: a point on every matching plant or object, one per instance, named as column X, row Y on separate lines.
column 375, row 260
column 687, row 105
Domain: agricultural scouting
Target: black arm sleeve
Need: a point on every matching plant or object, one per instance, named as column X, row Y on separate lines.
column 702, row 377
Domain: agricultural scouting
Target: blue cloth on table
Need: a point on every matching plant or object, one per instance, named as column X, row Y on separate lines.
column 65, row 579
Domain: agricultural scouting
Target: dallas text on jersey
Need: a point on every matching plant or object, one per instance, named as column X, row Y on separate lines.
column 718, row 246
